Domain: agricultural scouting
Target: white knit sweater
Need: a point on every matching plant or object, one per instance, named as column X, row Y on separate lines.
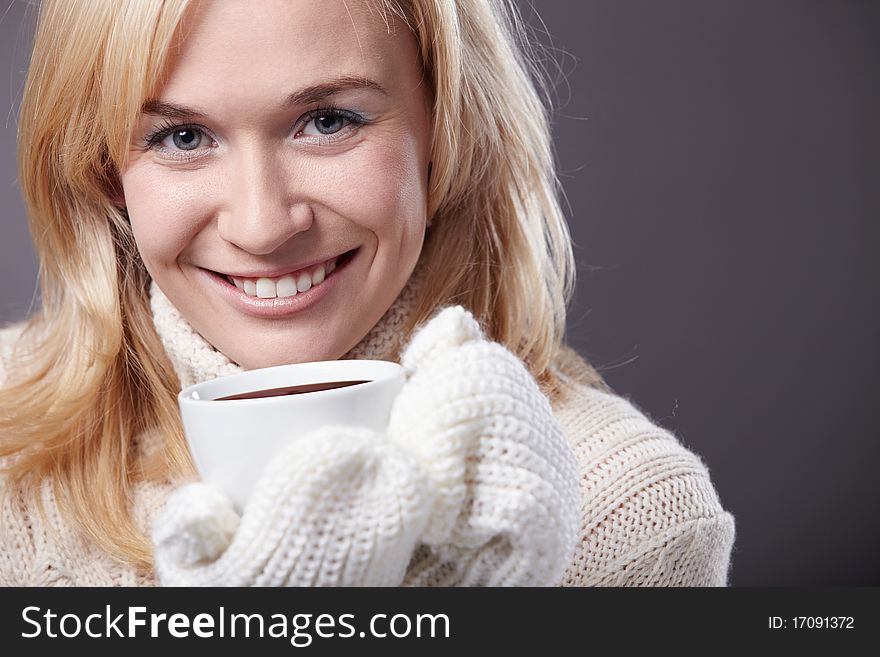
column 648, row 516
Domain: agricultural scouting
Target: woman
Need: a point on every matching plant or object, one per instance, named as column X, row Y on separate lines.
column 194, row 175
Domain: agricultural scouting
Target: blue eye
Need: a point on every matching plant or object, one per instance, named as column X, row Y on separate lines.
column 175, row 140
column 327, row 122
column 186, row 139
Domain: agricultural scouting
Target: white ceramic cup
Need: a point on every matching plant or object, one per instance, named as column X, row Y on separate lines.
column 231, row 441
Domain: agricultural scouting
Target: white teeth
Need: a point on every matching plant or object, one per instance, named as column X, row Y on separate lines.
column 286, row 286
column 265, row 288
column 303, row 282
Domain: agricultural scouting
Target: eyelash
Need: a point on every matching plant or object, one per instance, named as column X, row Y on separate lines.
column 154, row 139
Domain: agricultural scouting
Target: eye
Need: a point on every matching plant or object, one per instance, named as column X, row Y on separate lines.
column 185, row 139
column 178, row 141
column 326, row 124
column 330, row 123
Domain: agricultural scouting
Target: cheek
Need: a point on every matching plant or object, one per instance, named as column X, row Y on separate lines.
column 381, row 188
column 164, row 215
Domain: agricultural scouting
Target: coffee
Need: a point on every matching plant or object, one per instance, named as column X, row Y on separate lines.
column 291, row 390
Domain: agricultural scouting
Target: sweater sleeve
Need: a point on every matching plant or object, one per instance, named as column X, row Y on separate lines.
column 17, row 540
column 650, row 515
column 16, row 530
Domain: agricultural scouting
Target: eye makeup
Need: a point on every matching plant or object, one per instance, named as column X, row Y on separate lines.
column 351, row 122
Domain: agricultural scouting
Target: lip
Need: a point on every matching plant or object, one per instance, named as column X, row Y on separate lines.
column 277, row 308
column 278, row 273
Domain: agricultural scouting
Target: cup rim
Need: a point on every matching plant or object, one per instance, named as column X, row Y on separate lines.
column 386, row 369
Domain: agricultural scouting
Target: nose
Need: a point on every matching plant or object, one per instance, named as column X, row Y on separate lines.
column 263, row 209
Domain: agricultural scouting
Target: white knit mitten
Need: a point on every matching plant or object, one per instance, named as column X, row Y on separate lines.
column 472, row 470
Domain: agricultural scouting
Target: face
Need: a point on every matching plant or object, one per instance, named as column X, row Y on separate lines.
column 277, row 180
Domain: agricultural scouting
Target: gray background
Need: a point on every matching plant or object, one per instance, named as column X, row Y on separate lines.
column 721, row 162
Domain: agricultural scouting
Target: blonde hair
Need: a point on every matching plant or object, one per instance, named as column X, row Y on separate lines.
column 91, row 374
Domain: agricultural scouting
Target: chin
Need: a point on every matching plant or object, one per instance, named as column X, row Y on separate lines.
column 289, row 359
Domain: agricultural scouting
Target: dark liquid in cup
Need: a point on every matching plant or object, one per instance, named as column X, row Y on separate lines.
column 291, row 390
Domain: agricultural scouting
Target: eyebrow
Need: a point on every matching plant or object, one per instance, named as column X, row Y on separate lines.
column 306, row 96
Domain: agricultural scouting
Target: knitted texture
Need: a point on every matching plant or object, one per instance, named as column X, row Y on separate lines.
column 194, row 359
column 649, row 514
column 472, row 465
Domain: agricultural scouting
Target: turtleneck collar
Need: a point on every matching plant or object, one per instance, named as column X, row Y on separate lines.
column 195, row 360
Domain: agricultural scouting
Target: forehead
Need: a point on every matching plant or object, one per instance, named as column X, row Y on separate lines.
column 269, row 47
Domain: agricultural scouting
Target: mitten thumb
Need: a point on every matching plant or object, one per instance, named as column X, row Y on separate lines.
column 451, row 327
column 196, row 526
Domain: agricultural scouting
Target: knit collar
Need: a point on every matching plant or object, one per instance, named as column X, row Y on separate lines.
column 196, row 360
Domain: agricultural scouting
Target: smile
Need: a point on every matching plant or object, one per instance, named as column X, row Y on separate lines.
column 289, row 284
column 285, row 295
